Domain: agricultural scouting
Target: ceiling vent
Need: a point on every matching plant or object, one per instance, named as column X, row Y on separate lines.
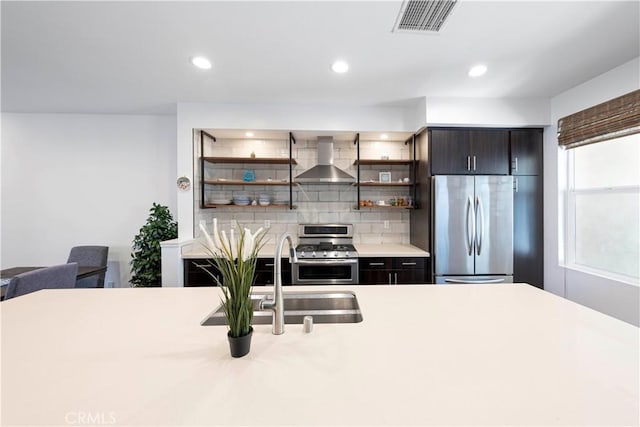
column 420, row 16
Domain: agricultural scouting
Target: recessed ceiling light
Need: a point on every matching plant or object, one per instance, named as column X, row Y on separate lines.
column 384, row 136
column 477, row 70
column 201, row 62
column 249, row 134
column 340, row 67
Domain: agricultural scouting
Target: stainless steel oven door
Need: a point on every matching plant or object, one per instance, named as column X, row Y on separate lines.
column 325, row 272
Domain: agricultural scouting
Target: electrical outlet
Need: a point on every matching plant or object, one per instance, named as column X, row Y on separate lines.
column 267, row 223
column 386, row 224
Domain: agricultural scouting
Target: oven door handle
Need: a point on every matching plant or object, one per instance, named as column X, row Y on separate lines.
column 324, row 261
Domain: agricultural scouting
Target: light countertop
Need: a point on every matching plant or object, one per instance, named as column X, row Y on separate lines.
column 364, row 250
column 424, row 355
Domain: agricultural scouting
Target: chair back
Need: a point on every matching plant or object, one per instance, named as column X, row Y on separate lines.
column 55, row 277
column 90, row 256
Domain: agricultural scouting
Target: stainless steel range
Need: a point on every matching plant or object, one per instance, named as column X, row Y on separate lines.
column 326, row 255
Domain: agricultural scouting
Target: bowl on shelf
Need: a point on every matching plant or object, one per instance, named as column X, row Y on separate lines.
column 241, row 199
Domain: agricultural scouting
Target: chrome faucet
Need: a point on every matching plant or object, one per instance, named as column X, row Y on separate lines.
column 277, row 304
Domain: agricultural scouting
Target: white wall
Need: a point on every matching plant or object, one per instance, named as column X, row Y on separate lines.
column 615, row 298
column 488, row 112
column 70, row 179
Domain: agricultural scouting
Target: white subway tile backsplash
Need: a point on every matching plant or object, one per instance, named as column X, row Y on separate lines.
column 375, row 239
column 328, row 217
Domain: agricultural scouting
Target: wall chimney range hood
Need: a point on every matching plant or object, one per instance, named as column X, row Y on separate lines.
column 324, row 171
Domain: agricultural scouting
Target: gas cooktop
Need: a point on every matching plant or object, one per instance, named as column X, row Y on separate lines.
column 325, row 241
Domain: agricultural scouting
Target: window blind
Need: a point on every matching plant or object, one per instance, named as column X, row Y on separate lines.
column 612, row 119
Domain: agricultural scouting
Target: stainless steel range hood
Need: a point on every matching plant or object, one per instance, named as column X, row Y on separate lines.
column 324, row 171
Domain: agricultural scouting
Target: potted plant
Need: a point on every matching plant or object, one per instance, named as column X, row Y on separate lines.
column 235, row 258
column 146, row 258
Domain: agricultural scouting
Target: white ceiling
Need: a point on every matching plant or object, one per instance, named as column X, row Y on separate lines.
column 133, row 57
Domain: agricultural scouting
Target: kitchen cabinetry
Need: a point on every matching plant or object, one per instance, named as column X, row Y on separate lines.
column 526, row 151
column 393, row 270
column 243, row 163
column 405, row 188
column 526, row 167
column 264, row 271
column 195, row 274
column 457, row 151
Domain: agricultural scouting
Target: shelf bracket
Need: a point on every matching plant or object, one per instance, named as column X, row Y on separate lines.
column 292, row 141
column 356, row 142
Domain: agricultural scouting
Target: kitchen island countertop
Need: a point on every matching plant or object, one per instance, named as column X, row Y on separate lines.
column 196, row 251
column 424, row 355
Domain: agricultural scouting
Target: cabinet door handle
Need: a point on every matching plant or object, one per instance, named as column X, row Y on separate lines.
column 389, row 278
column 409, row 263
column 515, row 164
column 468, row 163
column 376, row 264
column 474, row 162
column 515, row 183
column 396, row 278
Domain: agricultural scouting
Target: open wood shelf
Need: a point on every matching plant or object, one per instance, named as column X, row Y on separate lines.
column 385, row 207
column 241, row 182
column 252, row 160
column 380, row 162
column 208, row 206
column 385, row 184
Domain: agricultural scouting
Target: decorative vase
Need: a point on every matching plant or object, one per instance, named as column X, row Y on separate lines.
column 249, row 176
column 240, row 346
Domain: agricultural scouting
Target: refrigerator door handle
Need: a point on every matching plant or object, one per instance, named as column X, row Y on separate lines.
column 472, row 282
column 479, row 234
column 471, row 230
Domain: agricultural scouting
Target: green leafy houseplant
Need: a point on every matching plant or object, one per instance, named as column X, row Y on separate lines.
column 235, row 258
column 146, row 256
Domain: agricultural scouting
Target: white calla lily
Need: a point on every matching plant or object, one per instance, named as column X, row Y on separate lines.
column 234, row 256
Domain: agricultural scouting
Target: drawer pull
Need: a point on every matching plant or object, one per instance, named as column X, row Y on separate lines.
column 269, row 265
column 201, row 265
column 373, row 264
column 409, row 263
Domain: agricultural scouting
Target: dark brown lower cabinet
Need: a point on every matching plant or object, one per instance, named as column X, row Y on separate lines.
column 264, row 271
column 195, row 274
column 528, row 252
column 393, row 271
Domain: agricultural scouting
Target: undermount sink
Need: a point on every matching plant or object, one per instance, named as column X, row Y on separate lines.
column 324, row 307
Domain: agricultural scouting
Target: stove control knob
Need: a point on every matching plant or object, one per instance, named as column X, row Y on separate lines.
column 301, row 254
column 313, row 254
column 346, row 254
column 324, row 254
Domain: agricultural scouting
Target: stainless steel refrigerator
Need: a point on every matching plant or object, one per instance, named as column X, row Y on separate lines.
column 473, row 229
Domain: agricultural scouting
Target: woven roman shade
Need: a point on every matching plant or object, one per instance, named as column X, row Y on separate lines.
column 612, row 119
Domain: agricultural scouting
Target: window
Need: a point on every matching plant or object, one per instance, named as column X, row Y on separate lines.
column 603, row 208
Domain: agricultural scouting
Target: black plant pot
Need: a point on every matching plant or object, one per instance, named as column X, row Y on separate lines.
column 240, row 346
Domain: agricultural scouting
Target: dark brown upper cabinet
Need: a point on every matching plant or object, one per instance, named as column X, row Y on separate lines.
column 526, row 152
column 469, row 151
